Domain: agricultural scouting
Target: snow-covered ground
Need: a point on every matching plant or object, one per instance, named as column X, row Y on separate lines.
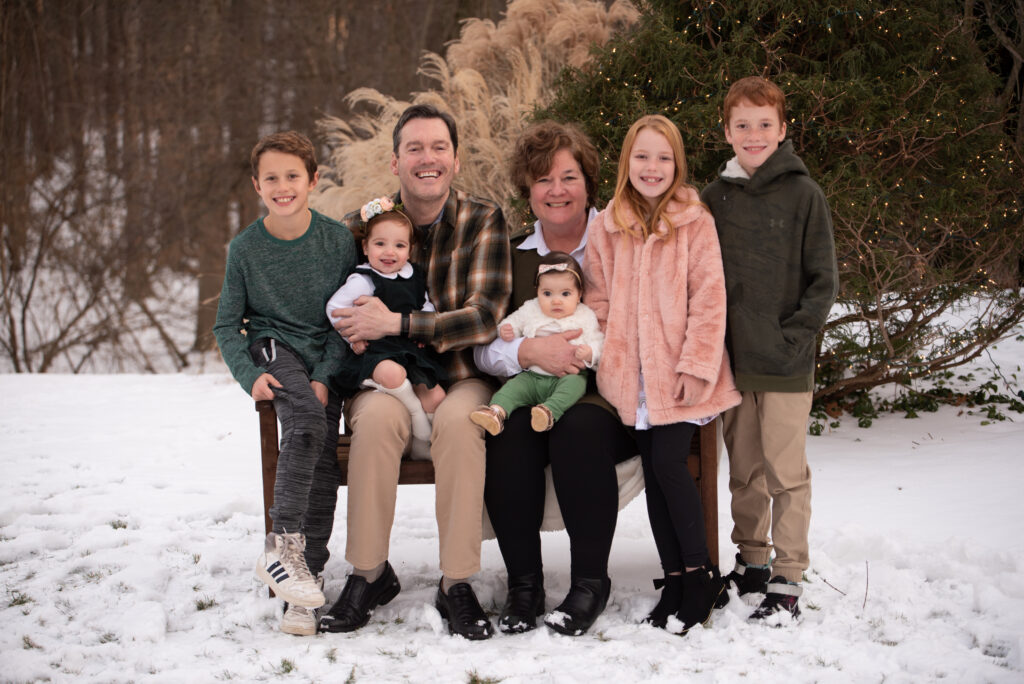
column 130, row 519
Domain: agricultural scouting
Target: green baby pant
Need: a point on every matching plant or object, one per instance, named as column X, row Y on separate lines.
column 530, row 388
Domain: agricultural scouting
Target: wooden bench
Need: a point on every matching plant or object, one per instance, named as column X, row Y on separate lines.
column 702, row 462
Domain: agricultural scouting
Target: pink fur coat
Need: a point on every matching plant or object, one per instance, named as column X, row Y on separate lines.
column 661, row 304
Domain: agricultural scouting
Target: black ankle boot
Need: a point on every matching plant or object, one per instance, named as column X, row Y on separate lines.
column 702, row 589
column 585, row 601
column 524, row 604
column 671, row 598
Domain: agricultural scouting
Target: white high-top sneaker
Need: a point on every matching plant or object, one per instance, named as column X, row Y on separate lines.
column 302, row 621
column 283, row 567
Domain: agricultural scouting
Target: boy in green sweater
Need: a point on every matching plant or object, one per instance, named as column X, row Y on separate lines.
column 781, row 279
column 281, row 347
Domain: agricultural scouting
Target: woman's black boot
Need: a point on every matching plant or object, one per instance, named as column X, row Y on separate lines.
column 585, row 601
column 524, row 604
column 670, row 601
column 701, row 591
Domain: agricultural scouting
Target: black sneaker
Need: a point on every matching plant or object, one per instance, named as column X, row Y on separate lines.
column 782, row 595
column 353, row 608
column 524, row 604
column 463, row 612
column 749, row 579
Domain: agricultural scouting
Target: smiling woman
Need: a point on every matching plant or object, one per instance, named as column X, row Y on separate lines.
column 558, row 199
column 555, row 167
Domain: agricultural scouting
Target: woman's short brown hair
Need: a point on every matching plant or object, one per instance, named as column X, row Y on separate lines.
column 534, row 155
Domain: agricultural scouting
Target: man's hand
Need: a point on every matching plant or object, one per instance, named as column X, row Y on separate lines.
column 553, row 353
column 368, row 320
column 506, row 332
column 320, row 390
column 262, row 389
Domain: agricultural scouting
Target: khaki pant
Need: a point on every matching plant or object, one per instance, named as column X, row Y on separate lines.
column 769, row 479
column 381, row 429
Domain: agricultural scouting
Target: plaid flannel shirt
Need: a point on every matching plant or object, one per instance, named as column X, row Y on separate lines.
column 466, row 255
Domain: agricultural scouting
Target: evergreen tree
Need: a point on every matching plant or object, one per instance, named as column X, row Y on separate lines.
column 895, row 109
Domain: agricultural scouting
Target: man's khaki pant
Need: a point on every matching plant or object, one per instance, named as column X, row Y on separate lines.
column 769, row 479
column 381, row 429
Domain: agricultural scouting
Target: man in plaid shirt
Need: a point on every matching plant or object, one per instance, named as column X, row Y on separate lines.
column 464, row 247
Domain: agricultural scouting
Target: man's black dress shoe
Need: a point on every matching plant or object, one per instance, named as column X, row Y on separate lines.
column 525, row 603
column 585, row 601
column 353, row 608
column 463, row 612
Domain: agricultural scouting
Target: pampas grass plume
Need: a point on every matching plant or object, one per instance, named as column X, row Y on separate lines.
column 491, row 78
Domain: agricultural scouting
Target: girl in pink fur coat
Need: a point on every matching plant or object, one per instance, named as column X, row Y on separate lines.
column 655, row 281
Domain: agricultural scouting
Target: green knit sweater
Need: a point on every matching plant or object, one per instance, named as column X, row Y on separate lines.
column 279, row 288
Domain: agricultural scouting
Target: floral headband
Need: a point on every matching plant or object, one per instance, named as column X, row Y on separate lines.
column 562, row 267
column 378, row 206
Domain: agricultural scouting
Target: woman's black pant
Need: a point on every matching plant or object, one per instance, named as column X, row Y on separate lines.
column 673, row 503
column 582, row 448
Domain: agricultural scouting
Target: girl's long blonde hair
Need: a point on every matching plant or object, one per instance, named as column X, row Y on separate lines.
column 629, row 198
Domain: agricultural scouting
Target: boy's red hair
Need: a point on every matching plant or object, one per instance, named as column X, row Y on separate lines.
column 757, row 91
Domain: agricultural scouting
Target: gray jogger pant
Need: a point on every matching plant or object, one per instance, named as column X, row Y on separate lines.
column 308, row 476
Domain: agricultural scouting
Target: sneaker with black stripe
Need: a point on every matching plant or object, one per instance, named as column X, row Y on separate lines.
column 782, row 595
column 283, row 567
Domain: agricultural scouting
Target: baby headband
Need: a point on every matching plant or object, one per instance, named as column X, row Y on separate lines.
column 378, row 206
column 544, row 268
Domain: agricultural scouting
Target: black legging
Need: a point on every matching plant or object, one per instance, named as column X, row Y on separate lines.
column 673, row 503
column 582, row 448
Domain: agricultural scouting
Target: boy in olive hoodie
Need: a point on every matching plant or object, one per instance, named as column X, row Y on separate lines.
column 775, row 230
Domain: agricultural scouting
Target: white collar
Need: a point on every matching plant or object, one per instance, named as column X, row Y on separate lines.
column 734, row 170
column 405, row 271
column 535, row 240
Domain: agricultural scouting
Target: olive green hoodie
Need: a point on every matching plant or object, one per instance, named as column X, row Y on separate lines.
column 781, row 279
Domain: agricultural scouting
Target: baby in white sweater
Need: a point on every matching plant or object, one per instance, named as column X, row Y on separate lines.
column 556, row 308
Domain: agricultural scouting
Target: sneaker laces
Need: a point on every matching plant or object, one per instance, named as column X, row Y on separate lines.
column 294, row 555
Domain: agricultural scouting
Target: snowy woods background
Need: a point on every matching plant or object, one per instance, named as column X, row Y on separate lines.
column 126, row 133
column 127, row 125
